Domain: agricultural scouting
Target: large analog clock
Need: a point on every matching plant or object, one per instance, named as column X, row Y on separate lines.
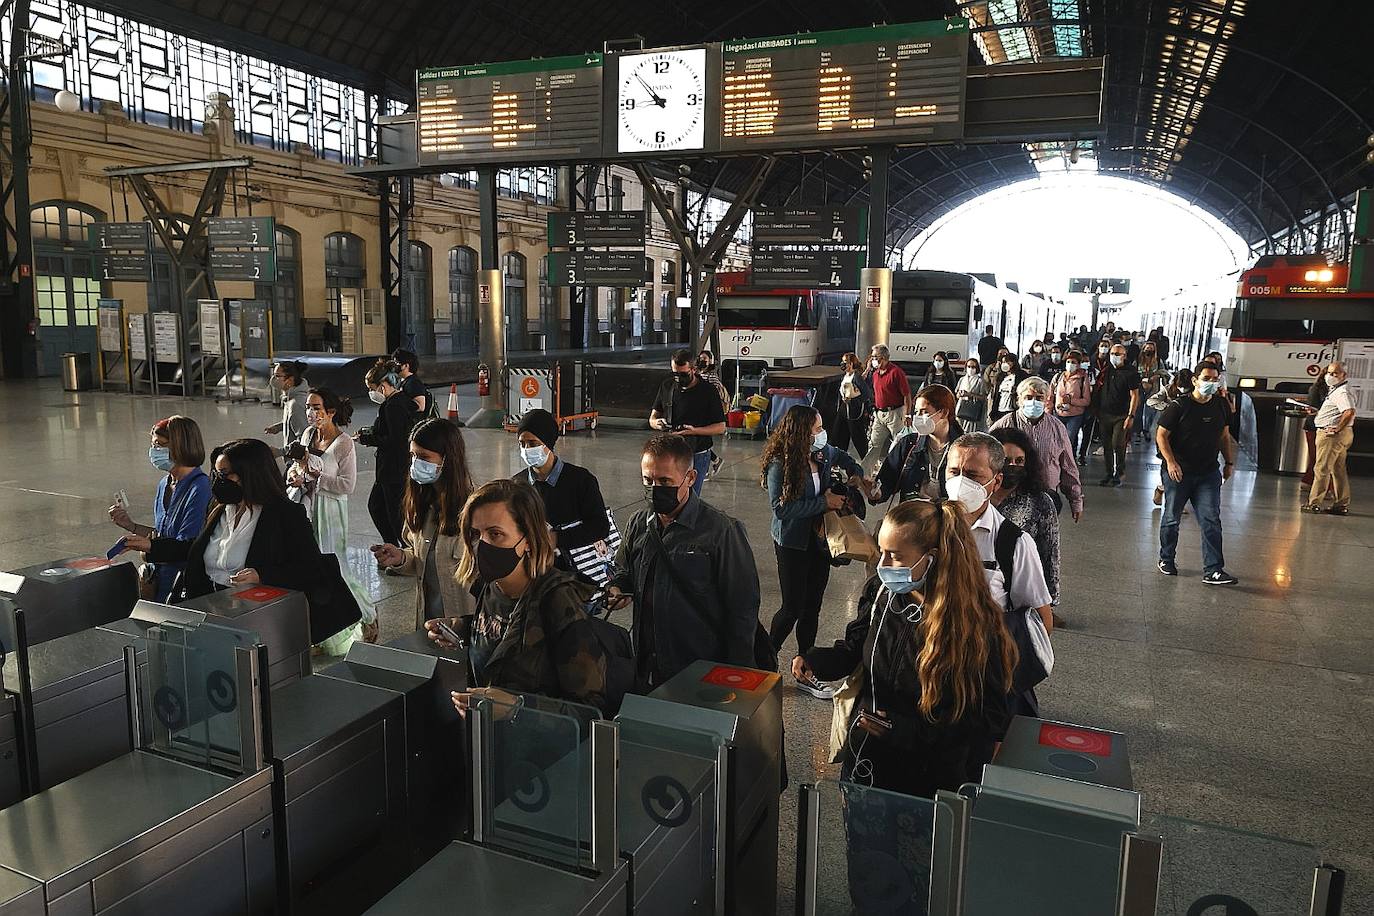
column 661, row 103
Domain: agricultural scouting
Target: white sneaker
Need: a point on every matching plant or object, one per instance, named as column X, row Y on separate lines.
column 817, row 689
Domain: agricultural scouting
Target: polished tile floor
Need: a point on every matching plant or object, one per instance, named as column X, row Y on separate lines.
column 1250, row 707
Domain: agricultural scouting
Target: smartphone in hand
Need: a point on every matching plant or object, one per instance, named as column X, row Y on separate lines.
column 121, row 499
column 447, row 632
column 117, row 549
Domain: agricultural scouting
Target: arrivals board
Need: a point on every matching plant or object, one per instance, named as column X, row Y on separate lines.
column 894, row 84
column 525, row 111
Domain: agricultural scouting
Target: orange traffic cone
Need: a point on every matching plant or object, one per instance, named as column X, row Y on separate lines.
column 453, row 404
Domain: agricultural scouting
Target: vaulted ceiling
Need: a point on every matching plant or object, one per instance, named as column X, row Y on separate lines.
column 1256, row 110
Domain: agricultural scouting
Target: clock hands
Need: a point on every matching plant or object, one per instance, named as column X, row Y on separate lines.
column 659, row 100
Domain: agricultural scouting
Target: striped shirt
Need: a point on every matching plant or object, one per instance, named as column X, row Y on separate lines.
column 1058, row 469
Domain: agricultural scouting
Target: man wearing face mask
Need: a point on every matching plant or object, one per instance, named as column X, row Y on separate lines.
column 1117, row 396
column 691, row 407
column 1335, row 433
column 1010, row 558
column 690, row 571
column 891, row 405
column 577, row 515
column 1192, row 431
column 1058, row 468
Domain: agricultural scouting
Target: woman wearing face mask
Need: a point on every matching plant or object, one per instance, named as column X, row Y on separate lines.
column 1070, row 396
column 940, row 372
column 408, row 366
column 582, row 528
column 183, row 497
column 797, row 465
column 972, row 395
column 855, row 407
column 1153, row 379
column 326, row 473
column 1003, row 388
column 915, row 468
column 1058, row 471
column 1052, row 365
column 530, row 633
column 256, row 536
column 437, row 487
column 288, row 377
column 1023, row 500
column 390, row 436
column 935, row 657
column 1032, row 361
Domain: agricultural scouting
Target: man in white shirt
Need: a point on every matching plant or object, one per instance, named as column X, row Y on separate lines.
column 978, row 458
column 1335, row 423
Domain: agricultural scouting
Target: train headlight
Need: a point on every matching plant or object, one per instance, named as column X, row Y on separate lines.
column 1258, row 383
column 1325, row 275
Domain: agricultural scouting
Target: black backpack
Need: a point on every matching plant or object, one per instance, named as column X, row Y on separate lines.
column 1029, row 670
column 620, row 653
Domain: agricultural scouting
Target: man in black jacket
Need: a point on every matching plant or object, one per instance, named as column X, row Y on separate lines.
column 989, row 346
column 690, row 570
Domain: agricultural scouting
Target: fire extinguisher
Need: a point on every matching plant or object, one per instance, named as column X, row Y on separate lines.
column 483, row 380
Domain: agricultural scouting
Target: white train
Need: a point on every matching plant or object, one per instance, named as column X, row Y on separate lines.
column 765, row 328
column 940, row 311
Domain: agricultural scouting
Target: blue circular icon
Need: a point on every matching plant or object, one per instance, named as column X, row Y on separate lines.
column 169, row 707
column 1224, row 904
column 529, row 786
column 666, row 801
column 221, row 691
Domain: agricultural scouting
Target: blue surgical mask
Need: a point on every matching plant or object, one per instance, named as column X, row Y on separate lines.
column 1207, row 389
column 898, row 580
column 1033, row 410
column 534, row 456
column 820, row 441
column 1118, row 361
column 424, row 472
column 160, row 457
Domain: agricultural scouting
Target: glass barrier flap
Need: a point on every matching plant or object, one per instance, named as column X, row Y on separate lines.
column 191, row 694
column 1031, row 855
column 538, row 781
column 1233, row 871
column 874, row 851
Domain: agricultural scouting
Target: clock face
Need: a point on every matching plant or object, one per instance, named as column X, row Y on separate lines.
column 662, row 101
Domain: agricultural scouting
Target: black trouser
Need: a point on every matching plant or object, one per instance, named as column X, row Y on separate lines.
column 384, row 505
column 851, row 432
column 803, row 574
column 1114, row 438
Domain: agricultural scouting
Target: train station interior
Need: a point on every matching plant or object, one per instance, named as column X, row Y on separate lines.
column 542, row 206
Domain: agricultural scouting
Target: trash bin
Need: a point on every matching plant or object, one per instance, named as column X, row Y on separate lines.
column 1291, row 442
column 76, row 372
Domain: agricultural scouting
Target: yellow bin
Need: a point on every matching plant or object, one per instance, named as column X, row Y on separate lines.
column 752, row 419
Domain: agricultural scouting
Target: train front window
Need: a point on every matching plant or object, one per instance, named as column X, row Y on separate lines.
column 765, row 312
column 930, row 314
column 1307, row 319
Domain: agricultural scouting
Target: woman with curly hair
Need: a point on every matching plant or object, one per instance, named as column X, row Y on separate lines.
column 798, row 464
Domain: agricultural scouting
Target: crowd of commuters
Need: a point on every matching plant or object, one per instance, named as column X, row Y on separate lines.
column 973, row 474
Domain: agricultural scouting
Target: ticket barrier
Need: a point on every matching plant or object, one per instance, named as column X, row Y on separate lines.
column 63, row 707
column 1026, row 841
column 694, row 806
column 182, row 823
column 370, row 759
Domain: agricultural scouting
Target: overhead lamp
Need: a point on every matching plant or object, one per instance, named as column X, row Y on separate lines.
column 68, row 102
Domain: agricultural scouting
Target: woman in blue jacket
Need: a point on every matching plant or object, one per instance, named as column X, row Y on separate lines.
column 798, row 467
column 183, row 499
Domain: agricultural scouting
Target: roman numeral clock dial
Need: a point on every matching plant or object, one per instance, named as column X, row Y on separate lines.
column 662, row 101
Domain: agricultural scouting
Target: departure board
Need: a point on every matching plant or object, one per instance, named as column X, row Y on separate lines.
column 525, row 111
column 896, row 84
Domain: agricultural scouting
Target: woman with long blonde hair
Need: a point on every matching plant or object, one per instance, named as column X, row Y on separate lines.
column 798, row 465
column 935, row 654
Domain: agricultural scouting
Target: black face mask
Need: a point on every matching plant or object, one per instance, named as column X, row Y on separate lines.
column 684, row 379
column 1013, row 475
column 495, row 563
column 662, row 497
column 225, row 491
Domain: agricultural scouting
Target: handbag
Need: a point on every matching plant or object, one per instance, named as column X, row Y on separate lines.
column 842, row 711
column 593, row 560
column 847, row 539
column 969, row 409
column 147, row 582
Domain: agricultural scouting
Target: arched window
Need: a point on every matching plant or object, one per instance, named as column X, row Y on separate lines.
column 66, row 288
column 513, row 268
column 345, row 269
column 462, row 299
column 284, row 295
column 417, row 301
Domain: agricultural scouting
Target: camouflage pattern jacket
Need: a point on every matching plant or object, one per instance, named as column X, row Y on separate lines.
column 548, row 647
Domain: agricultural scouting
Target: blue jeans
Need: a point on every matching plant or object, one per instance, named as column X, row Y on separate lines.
column 1074, row 425
column 1204, row 490
column 701, row 461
